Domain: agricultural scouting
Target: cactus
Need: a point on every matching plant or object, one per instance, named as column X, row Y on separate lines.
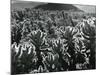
column 16, row 34
column 15, row 61
column 55, row 42
column 69, row 40
column 89, row 33
column 24, row 63
column 58, row 49
column 69, row 37
column 38, row 41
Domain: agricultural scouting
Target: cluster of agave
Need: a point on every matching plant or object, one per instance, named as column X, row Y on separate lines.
column 45, row 42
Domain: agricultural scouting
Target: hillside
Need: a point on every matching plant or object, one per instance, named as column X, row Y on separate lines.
column 45, row 6
column 57, row 6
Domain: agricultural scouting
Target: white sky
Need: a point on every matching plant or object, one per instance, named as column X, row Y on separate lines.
column 87, row 8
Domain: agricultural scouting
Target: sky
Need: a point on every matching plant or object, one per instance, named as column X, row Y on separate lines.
column 86, row 8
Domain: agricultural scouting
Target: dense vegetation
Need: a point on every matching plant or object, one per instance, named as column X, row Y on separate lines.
column 42, row 41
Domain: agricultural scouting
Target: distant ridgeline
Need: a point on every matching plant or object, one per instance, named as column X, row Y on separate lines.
column 69, row 8
column 57, row 6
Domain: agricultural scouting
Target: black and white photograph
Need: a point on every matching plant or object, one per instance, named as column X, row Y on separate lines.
column 52, row 37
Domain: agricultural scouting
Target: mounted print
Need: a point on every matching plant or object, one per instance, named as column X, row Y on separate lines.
column 52, row 37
